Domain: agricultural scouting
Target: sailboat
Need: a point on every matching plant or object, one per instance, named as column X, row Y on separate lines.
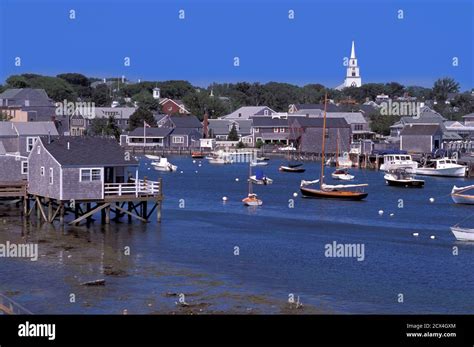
column 463, row 195
column 252, row 198
column 342, row 172
column 340, row 191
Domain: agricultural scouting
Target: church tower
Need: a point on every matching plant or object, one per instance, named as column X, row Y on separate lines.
column 353, row 78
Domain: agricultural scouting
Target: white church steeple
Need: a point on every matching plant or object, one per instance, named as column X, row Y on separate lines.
column 353, row 78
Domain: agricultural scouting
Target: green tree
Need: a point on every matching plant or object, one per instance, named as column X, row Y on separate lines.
column 145, row 100
column 443, row 86
column 139, row 116
column 100, row 96
column 200, row 102
column 105, row 127
column 233, row 135
column 17, row 81
column 75, row 79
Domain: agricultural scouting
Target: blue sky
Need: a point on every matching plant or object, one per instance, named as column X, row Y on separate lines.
column 308, row 49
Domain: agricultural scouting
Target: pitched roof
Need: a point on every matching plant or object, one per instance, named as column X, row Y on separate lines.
column 116, row 112
column 7, row 129
column 151, row 132
column 186, row 121
column 330, row 107
column 17, row 96
column 246, row 112
column 83, row 151
column 261, row 122
column 223, row 126
column 420, row 129
column 35, row 128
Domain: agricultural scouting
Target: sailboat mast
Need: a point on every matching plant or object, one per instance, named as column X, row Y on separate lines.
column 337, row 149
column 323, row 148
column 250, row 175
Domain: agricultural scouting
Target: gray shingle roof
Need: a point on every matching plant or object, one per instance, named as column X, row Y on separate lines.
column 87, row 151
column 246, row 112
column 7, row 129
column 36, row 128
column 186, row 121
column 223, row 126
column 152, row 132
column 420, row 129
column 261, row 122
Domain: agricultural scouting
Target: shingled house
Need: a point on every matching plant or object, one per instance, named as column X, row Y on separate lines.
column 421, row 138
column 65, row 168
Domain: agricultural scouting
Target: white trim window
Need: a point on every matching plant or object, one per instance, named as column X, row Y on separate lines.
column 38, row 150
column 178, row 139
column 282, row 130
column 30, row 142
column 89, row 175
column 24, row 167
column 51, row 175
column 275, row 130
column 42, row 171
column 256, row 130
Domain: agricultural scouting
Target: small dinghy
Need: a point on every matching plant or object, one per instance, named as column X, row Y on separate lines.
column 292, row 168
column 403, row 177
column 342, row 174
column 164, row 165
column 197, row 155
column 252, row 198
column 461, row 195
column 259, row 163
column 260, row 178
column 463, row 234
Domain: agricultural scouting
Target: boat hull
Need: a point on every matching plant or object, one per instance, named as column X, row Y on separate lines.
column 462, row 199
column 334, row 194
column 405, row 183
column 447, row 172
column 463, row 234
column 291, row 169
column 342, row 177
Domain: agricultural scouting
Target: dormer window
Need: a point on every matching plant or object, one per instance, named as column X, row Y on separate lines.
column 265, row 112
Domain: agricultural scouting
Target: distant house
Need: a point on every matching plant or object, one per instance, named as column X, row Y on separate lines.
column 295, row 108
column 149, row 137
column 66, row 168
column 468, row 119
column 27, row 105
column 220, row 128
column 421, row 138
column 16, row 142
column 426, row 117
column 246, row 112
column 77, row 125
column 173, row 107
column 121, row 115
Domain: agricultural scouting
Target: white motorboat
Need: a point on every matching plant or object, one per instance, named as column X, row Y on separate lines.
column 342, row 174
column 260, row 178
column 152, row 157
column 219, row 160
column 460, row 195
column 164, row 165
column 258, row 163
column 442, row 167
column 396, row 161
column 463, row 234
column 403, row 177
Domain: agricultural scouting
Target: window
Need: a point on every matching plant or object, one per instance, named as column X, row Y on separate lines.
column 326, row 133
column 178, row 139
column 265, row 112
column 24, row 167
column 42, row 171
column 282, row 130
column 275, row 130
column 50, row 175
column 38, row 150
column 256, row 130
column 30, row 141
column 89, row 175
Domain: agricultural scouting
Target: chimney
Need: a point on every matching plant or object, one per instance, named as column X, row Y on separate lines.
column 49, row 137
column 68, row 146
column 205, row 124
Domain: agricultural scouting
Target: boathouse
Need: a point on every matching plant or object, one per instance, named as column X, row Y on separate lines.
column 421, row 138
column 72, row 173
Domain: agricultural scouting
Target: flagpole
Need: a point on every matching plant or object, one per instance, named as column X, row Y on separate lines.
column 144, row 135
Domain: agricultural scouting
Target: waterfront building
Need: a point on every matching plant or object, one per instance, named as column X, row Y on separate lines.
column 421, row 138
column 220, row 128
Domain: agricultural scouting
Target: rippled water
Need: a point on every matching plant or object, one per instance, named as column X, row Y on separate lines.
column 281, row 249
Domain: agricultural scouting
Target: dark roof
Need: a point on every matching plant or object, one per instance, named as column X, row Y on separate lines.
column 186, row 121
column 156, row 132
column 420, row 129
column 330, row 107
column 299, row 121
column 87, row 151
column 187, row 131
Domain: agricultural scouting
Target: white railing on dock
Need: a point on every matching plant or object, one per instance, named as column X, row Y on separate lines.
column 137, row 188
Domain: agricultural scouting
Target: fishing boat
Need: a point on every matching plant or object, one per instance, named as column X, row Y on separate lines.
column 342, row 174
column 152, row 157
column 442, row 167
column 462, row 234
column 403, row 177
column 341, row 191
column 260, row 178
column 396, row 161
column 460, row 195
column 197, row 155
column 164, row 165
column 252, row 198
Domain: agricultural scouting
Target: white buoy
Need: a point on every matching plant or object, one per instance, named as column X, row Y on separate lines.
column 236, row 180
column 392, row 214
column 181, row 172
column 200, row 165
column 295, row 194
column 196, row 171
column 432, row 199
column 194, row 161
column 224, row 198
column 432, row 237
column 415, row 234
column 380, row 212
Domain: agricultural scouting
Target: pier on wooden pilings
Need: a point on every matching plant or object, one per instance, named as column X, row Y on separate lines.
column 139, row 200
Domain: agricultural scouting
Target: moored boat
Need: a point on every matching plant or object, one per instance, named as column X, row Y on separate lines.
column 197, row 155
column 403, row 177
column 252, row 198
column 292, row 168
column 462, row 234
column 396, row 161
column 342, row 174
column 260, row 178
column 152, row 157
column 460, row 195
column 164, row 165
column 442, row 167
